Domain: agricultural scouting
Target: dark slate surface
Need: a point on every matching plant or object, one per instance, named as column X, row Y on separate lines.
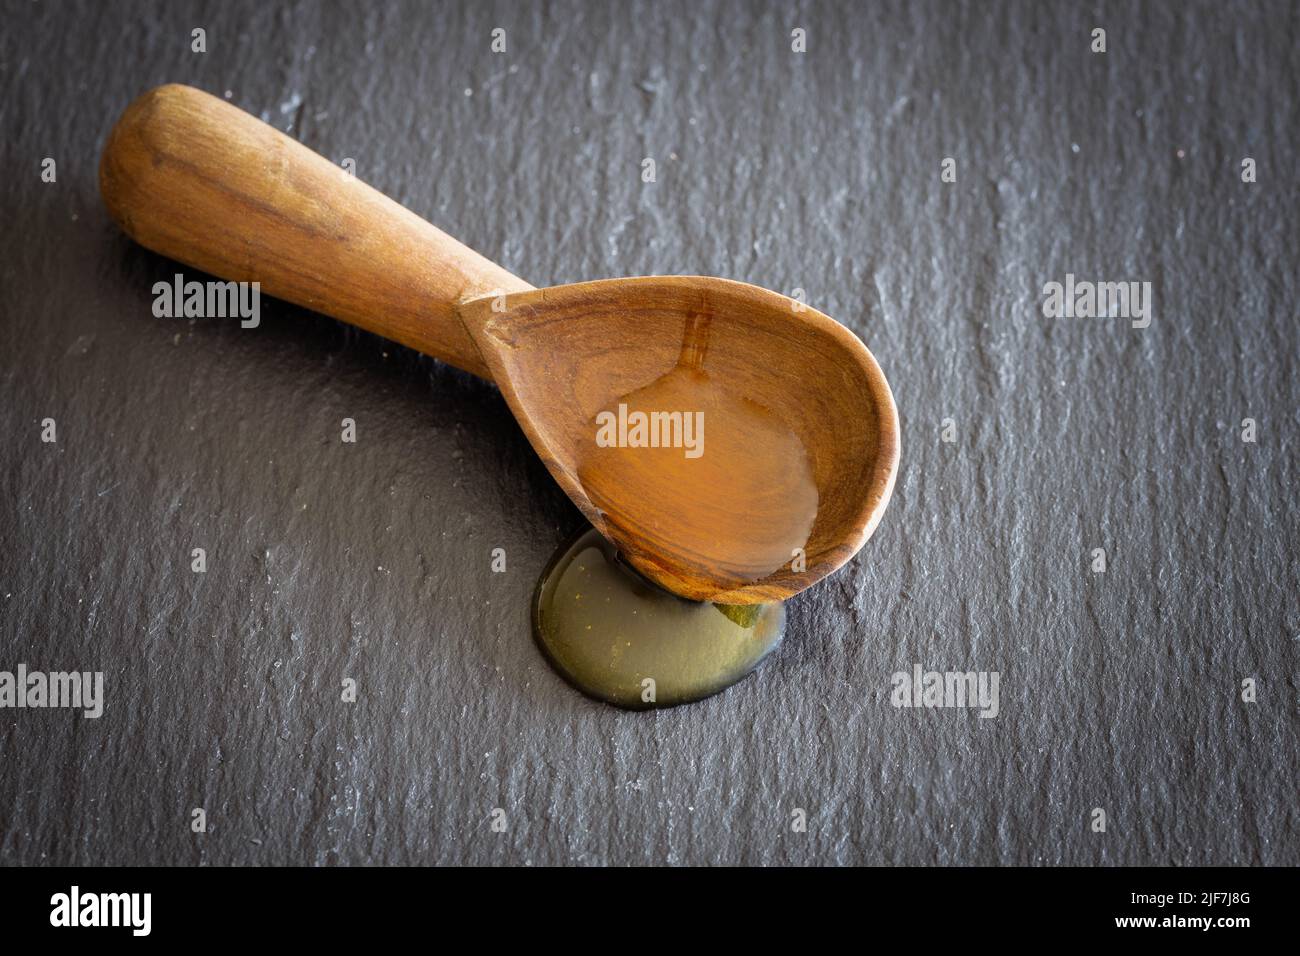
column 819, row 171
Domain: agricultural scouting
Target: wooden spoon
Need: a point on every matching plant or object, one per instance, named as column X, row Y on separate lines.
column 800, row 434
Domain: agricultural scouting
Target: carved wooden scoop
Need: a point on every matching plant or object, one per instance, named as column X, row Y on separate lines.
column 735, row 444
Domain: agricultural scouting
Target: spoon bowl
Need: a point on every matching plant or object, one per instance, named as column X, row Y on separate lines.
column 735, row 444
column 796, row 456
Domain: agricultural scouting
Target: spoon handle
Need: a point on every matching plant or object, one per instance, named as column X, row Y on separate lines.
column 201, row 181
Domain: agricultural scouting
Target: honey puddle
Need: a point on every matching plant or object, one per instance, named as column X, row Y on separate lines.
column 621, row 639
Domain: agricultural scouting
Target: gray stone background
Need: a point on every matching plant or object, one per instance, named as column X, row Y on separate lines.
column 817, row 171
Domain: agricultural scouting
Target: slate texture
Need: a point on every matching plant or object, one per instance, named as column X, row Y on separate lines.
column 819, row 171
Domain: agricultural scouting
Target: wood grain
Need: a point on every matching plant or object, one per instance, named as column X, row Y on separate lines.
column 200, row 181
